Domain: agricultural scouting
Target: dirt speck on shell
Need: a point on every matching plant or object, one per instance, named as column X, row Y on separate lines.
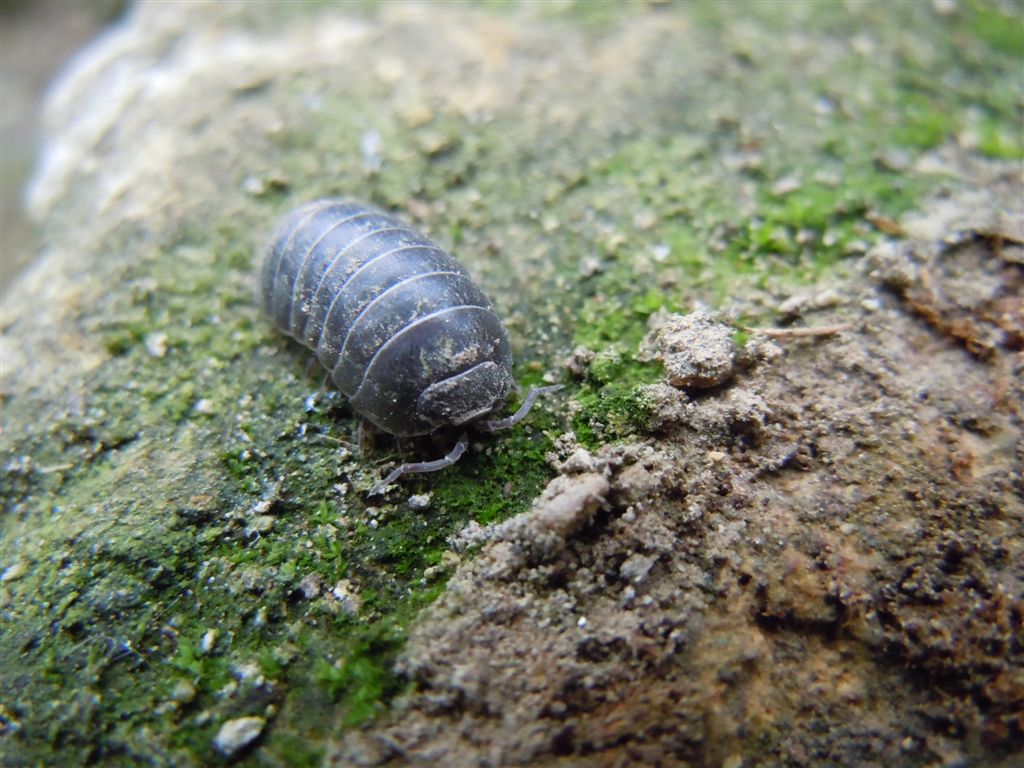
column 821, row 563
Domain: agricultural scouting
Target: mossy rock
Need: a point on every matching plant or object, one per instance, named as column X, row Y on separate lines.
column 183, row 507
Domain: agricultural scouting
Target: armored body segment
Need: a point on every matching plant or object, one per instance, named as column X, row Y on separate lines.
column 398, row 322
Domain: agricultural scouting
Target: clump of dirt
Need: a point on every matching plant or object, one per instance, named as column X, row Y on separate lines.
column 819, row 562
column 697, row 351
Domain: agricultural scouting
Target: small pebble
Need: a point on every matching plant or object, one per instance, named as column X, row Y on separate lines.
column 156, row 344
column 589, row 266
column 636, row 567
column 419, row 502
column 183, row 691
column 310, row 585
column 579, row 360
column 260, row 619
column 262, row 523
column 248, row 672
column 348, row 600
column 13, row 572
column 370, row 145
column 389, row 70
column 209, row 641
column 417, row 114
column 204, row 407
column 435, row 142
column 785, row 185
column 237, row 734
column 644, row 220
column 253, row 185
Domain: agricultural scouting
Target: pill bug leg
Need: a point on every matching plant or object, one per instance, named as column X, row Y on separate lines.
column 312, row 365
column 515, row 418
column 363, row 431
column 421, row 466
column 322, row 392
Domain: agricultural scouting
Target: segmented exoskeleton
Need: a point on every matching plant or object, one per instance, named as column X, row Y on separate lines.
column 403, row 330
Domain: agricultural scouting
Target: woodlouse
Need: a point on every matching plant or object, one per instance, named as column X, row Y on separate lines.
column 400, row 325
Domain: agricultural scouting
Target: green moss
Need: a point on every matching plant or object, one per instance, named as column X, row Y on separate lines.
column 364, row 680
column 240, row 469
column 807, row 230
column 925, row 122
column 792, row 236
column 298, row 751
column 1000, row 141
column 998, row 27
column 611, row 412
column 499, row 476
column 599, row 15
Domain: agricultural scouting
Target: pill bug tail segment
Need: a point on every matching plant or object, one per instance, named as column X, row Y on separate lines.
column 421, row 466
column 510, row 421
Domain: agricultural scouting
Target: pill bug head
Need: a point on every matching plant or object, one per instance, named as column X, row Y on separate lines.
column 466, row 397
column 403, row 330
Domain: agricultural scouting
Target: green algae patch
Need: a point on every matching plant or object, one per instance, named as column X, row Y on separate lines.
column 997, row 26
column 499, row 481
column 364, row 680
column 613, row 412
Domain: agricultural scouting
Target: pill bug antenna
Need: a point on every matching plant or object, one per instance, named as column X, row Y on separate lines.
column 343, row 445
column 311, row 366
column 510, row 421
column 421, row 466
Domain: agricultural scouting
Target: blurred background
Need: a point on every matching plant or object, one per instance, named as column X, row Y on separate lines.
column 37, row 38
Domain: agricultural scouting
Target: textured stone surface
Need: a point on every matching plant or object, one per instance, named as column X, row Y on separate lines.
column 817, row 561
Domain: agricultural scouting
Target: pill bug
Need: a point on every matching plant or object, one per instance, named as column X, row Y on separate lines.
column 400, row 325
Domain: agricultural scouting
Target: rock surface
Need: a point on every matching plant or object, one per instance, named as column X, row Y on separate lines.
column 817, row 561
column 798, row 533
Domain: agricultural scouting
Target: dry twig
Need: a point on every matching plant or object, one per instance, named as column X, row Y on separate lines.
column 798, row 333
